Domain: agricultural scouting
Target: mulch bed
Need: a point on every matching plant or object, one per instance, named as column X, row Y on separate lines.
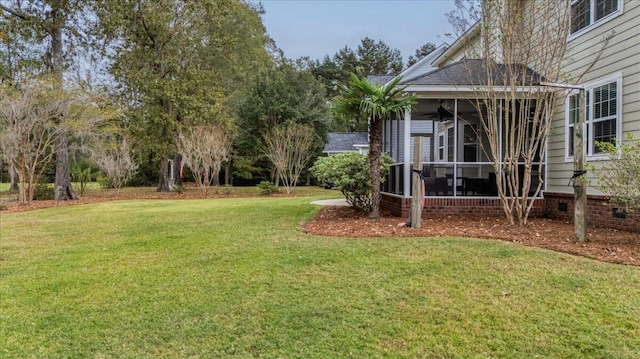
column 605, row 244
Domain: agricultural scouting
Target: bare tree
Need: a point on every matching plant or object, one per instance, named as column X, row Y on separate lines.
column 289, row 148
column 521, row 43
column 465, row 14
column 112, row 153
column 205, row 148
column 29, row 132
column 517, row 115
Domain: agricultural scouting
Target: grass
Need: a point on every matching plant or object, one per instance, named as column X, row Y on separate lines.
column 93, row 189
column 237, row 278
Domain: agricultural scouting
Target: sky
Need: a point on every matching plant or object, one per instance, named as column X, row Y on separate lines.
column 316, row 28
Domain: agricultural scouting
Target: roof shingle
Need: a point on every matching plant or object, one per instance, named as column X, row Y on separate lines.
column 345, row 141
column 474, row 73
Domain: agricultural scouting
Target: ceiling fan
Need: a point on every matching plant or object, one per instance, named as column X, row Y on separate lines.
column 441, row 113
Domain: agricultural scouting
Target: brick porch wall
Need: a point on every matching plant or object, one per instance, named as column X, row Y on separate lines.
column 554, row 205
column 560, row 205
column 440, row 207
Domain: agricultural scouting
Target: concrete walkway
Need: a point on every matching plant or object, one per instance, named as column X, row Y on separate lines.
column 331, row 202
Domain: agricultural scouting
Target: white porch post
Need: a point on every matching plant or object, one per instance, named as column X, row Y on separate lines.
column 406, row 157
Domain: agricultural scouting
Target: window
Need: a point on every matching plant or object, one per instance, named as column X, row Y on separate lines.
column 470, row 144
column 450, row 144
column 602, row 115
column 585, row 13
column 446, row 145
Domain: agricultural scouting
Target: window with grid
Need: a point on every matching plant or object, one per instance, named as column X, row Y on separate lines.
column 585, row 13
column 450, row 144
column 604, row 122
column 602, row 117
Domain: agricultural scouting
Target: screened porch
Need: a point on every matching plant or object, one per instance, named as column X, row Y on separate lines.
column 456, row 160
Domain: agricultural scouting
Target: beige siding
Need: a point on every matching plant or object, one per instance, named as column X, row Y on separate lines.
column 620, row 56
column 468, row 47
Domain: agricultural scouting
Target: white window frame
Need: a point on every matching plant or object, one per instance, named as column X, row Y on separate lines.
column 442, row 146
column 592, row 15
column 463, row 143
column 443, row 143
column 590, row 145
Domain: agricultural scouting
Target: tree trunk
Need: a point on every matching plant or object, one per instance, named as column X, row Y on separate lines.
column 13, row 178
column 163, row 181
column 227, row 173
column 216, row 177
column 375, row 138
column 177, row 162
column 63, row 190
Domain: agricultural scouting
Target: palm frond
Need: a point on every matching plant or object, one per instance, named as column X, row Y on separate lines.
column 366, row 99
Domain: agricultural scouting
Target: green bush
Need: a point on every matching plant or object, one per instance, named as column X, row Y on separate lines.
column 349, row 172
column 177, row 188
column 104, row 181
column 267, row 188
column 43, row 192
column 619, row 178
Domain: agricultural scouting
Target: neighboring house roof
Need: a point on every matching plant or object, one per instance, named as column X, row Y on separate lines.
column 346, row 141
column 473, row 73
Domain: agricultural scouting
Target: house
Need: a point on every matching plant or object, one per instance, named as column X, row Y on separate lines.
column 460, row 174
column 341, row 142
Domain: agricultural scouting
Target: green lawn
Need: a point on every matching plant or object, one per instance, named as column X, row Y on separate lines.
column 93, row 189
column 238, row 278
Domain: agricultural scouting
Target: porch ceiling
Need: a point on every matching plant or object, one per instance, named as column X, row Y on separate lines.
column 427, row 109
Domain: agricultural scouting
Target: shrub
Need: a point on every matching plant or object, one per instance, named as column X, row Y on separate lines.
column 43, row 192
column 177, row 188
column 349, row 172
column 267, row 188
column 620, row 177
column 104, row 182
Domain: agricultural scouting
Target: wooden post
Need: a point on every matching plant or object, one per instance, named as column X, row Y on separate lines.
column 579, row 180
column 416, row 187
column 579, row 185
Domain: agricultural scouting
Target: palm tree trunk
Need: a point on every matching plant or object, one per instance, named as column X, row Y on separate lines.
column 375, row 137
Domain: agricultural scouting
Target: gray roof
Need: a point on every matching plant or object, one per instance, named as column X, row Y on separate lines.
column 380, row 79
column 345, row 141
column 474, row 73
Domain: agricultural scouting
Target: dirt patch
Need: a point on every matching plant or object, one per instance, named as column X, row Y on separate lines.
column 605, row 244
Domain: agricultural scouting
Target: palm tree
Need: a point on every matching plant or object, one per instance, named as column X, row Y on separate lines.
column 363, row 99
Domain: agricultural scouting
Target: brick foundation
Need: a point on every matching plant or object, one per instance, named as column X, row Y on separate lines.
column 440, row 207
column 554, row 205
column 560, row 205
